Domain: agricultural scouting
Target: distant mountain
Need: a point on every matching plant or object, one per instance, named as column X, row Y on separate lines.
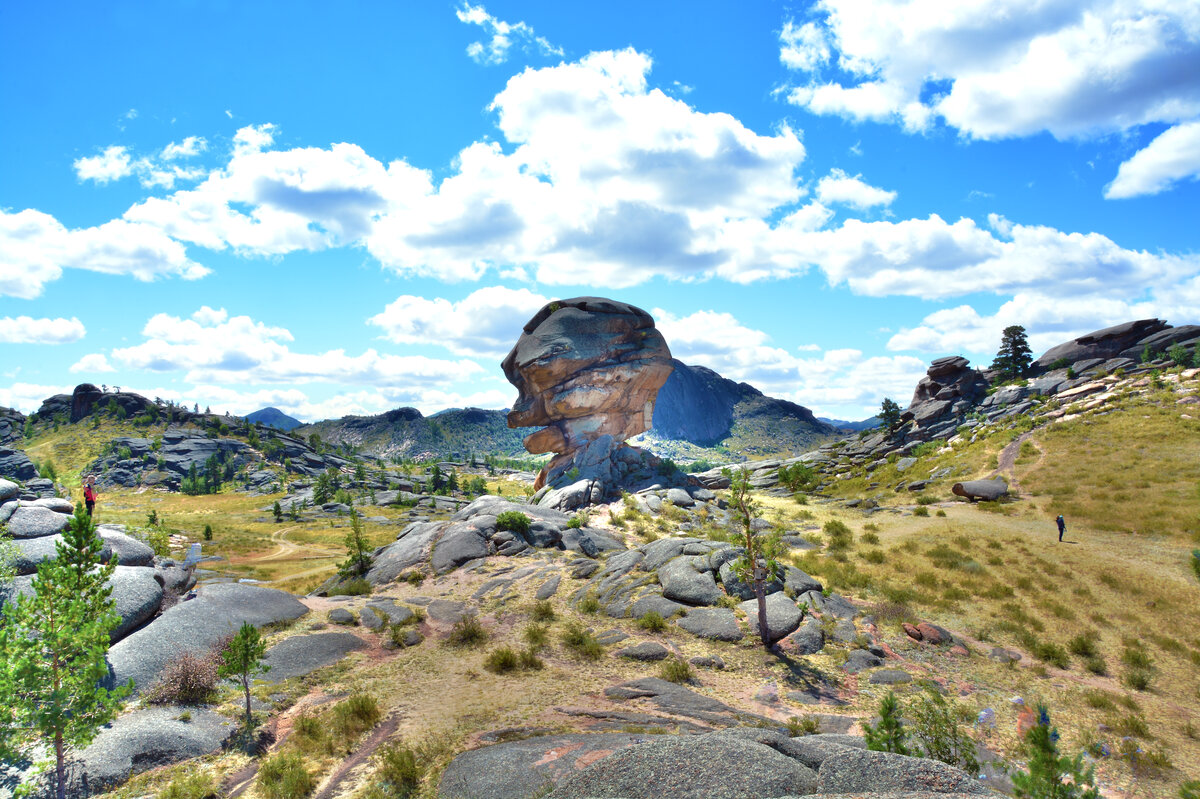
column 698, row 406
column 406, row 433
column 273, row 417
column 853, row 427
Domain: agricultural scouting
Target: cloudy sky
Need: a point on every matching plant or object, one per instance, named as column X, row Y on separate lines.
column 345, row 208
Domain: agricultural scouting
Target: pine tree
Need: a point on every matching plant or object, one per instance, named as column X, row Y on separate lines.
column 357, row 547
column 242, row 661
column 889, row 414
column 1047, row 777
column 1014, row 356
column 758, row 564
column 52, row 651
column 888, row 735
column 277, row 511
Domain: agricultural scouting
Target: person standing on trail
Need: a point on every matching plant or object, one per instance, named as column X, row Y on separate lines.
column 89, row 493
column 1062, row 526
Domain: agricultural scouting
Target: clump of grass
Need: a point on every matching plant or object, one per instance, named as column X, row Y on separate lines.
column 581, row 642
column 803, row 726
column 875, row 556
column 921, row 510
column 940, row 512
column 354, row 715
column 1135, row 657
column 589, row 605
column 356, row 587
column 1131, row 725
column 870, row 538
column 398, row 771
column 1137, row 679
column 284, row 776
column 652, row 622
column 1096, row 665
column 676, row 670
column 194, row 785
column 310, row 734
column 501, row 660
column 1099, row 700
column 467, row 632
column 536, row 636
column 1052, row 653
column 542, row 611
column 925, row 499
column 838, row 536
column 1083, row 645
column 528, row 660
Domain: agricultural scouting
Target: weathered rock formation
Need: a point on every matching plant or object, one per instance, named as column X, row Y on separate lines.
column 12, row 425
column 586, row 368
column 989, row 490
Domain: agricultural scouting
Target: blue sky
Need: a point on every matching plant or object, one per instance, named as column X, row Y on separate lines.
column 347, row 208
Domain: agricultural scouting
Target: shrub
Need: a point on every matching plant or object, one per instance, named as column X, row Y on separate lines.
column 398, row 771
column 1083, row 645
column 188, row 680
column 310, row 733
column 803, row 726
column 1051, row 653
column 543, row 611
column 1137, row 679
column 925, row 499
column 536, row 636
column 1051, row 775
column 528, row 659
column 935, row 725
column 873, row 556
column 581, row 642
column 1096, row 665
column 940, row 513
column 355, row 715
column 652, row 622
column 356, row 587
column 589, row 605
column 195, row 785
column 208, row 532
column 676, row 670
column 285, row 777
column 1135, row 657
column 467, row 632
column 920, row 510
column 870, row 538
column 838, row 535
column 888, row 735
column 513, row 520
column 501, row 660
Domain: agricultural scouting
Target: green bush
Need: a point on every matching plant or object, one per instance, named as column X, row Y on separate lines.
column 589, row 605
column 652, row 622
column 581, row 642
column 285, row 777
column 935, row 726
column 543, row 611
column 1083, row 645
column 1052, row 653
column 1051, row 775
column 398, row 771
column 920, row 510
column 356, row 587
column 803, row 726
column 870, row 537
column 501, row 660
column 838, row 536
column 208, row 533
column 197, row 784
column 514, row 521
column 889, row 734
column 536, row 636
column 467, row 632
column 676, row 670
column 355, row 715
column 1137, row 679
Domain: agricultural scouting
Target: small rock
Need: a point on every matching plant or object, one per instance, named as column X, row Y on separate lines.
column 890, row 677
column 645, row 651
column 341, row 616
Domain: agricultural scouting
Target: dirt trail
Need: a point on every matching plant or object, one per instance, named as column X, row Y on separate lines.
column 1008, row 459
column 377, row 738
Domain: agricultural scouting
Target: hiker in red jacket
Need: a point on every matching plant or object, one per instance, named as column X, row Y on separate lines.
column 89, row 493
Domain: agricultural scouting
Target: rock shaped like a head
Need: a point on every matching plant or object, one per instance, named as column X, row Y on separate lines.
column 585, row 368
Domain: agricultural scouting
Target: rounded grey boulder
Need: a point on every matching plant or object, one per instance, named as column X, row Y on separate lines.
column 137, row 596
column 691, row 767
column 56, row 504
column 32, row 551
column 856, row 770
column 718, row 624
column 302, row 654
column 783, row 616
column 32, row 521
column 129, row 550
column 195, row 626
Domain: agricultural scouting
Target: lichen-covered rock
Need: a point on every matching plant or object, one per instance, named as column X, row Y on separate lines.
column 585, row 367
column 990, row 490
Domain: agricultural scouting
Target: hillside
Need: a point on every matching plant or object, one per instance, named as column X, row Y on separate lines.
column 273, row 417
column 406, row 433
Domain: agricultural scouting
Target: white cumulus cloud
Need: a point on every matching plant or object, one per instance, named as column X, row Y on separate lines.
column 485, row 323
column 1002, row 68
column 26, row 330
column 504, row 35
column 92, row 363
column 112, row 164
column 1173, row 155
column 838, row 187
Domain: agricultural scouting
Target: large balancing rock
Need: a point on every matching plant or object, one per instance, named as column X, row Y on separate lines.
column 586, row 367
column 989, row 490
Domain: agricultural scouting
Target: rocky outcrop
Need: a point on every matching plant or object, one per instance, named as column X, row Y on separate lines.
column 12, row 425
column 407, row 433
column 15, row 465
column 585, row 368
column 87, row 399
column 1126, row 340
column 989, row 490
